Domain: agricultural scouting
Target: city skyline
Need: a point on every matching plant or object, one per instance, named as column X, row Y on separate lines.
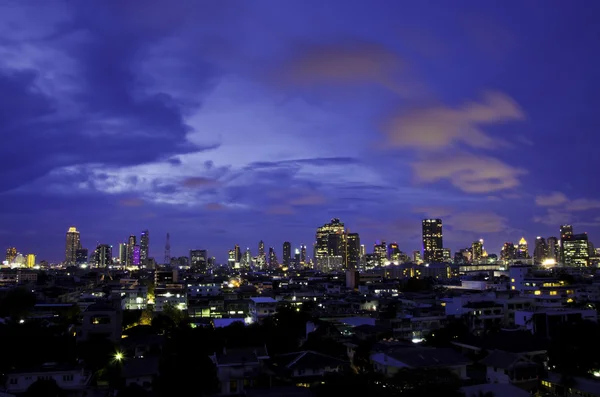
column 224, row 125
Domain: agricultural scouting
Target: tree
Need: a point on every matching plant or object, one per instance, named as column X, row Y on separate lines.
column 17, row 303
column 146, row 317
column 44, row 388
column 133, row 390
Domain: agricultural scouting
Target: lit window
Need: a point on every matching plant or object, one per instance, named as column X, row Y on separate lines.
column 512, row 280
column 538, row 292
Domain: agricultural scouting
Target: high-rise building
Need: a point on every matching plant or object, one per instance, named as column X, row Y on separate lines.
column 287, row 253
column 81, row 256
column 416, row 257
column 136, row 258
column 237, row 253
column 199, row 260
column 330, row 242
column 30, row 261
column 509, row 252
column 144, row 246
column 576, row 250
column 393, row 252
column 522, row 249
column 566, row 230
column 553, row 248
column 540, row 252
column 131, row 243
column 432, row 240
column 11, row 254
column 303, row 254
column 353, row 251
column 123, row 253
column 273, row 258
column 261, row 248
column 231, row 258
column 380, row 251
column 477, row 251
column 103, row 256
column 72, row 245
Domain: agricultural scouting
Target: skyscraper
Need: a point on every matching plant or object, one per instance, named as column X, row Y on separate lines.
column 273, row 258
column 477, row 251
column 303, row 254
column 432, row 240
column 509, row 252
column 576, row 250
column 131, row 243
column 261, row 248
column 353, row 251
column 566, row 231
column 237, row 253
column 30, row 261
column 287, row 253
column 72, row 245
column 393, row 252
column 199, row 260
column 123, row 253
column 540, row 252
column 553, row 248
column 144, row 246
column 330, row 243
column 380, row 251
column 11, row 254
column 523, row 249
column 103, row 256
column 136, row 255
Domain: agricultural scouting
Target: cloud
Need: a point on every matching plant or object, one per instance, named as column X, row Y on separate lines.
column 478, row 222
column 582, row 205
column 309, row 199
column 132, row 202
column 554, row 217
column 551, row 200
column 198, row 182
column 437, row 128
column 214, row 206
column 468, row 172
column 345, row 63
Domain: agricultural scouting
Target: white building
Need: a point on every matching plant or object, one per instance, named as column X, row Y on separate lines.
column 68, row 378
column 261, row 308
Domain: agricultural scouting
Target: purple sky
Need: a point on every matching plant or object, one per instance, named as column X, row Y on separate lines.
column 227, row 122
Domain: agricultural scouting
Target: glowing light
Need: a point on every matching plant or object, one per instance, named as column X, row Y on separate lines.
column 549, row 262
column 119, row 356
column 417, row 340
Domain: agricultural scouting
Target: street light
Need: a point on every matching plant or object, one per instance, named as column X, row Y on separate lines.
column 119, row 356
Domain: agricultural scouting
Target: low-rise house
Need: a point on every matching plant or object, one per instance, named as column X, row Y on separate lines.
column 543, row 321
column 506, row 367
column 67, row 377
column 239, row 369
column 100, row 320
column 391, row 361
column 305, row 366
column 261, row 308
column 140, row 371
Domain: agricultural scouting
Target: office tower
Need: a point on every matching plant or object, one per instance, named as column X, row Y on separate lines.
column 237, row 253
column 330, row 243
column 81, row 256
column 287, row 253
column 30, row 261
column 432, row 240
column 553, row 248
column 446, row 255
column 477, row 250
column 73, row 244
column 416, row 257
column 540, row 252
column 247, row 258
column 380, row 251
column 261, row 248
column 353, row 251
column 566, row 230
column 363, row 250
column 130, row 244
column 231, row 258
column 509, row 252
column 135, row 261
column 393, row 252
column 20, row 260
column 522, row 249
column 11, row 254
column 297, row 262
column 273, row 258
column 575, row 249
column 103, row 256
column 199, row 260
column 144, row 246
column 123, row 253
column 303, row 254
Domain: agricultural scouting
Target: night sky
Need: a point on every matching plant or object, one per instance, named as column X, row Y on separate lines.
column 227, row 122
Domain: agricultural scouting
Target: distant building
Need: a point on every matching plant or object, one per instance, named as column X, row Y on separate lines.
column 103, row 256
column 575, row 250
column 432, row 240
column 11, row 254
column 30, row 261
column 144, row 246
column 353, row 250
column 287, row 253
column 81, row 256
column 131, row 243
column 540, row 252
column 199, row 260
column 73, row 243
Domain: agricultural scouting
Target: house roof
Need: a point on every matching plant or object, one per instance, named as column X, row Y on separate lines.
column 241, row 356
column 500, row 359
column 263, row 300
column 498, row 389
column 306, row 359
column 138, row 367
column 426, row 357
column 518, row 341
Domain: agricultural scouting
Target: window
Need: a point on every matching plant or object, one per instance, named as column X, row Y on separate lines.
column 68, row 378
column 233, row 386
column 14, row 381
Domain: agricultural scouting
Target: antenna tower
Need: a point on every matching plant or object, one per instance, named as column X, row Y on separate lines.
column 168, row 250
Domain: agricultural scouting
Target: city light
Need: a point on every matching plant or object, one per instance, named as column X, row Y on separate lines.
column 118, row 357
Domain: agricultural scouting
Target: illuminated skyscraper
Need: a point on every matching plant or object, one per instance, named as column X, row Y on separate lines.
column 30, row 261
column 553, row 248
column 303, row 254
column 144, row 246
column 576, row 250
column 393, row 252
column 287, row 253
column 103, row 256
column 123, row 253
column 131, row 243
column 136, row 255
column 261, row 248
column 273, row 258
column 353, row 251
column 11, row 254
column 330, row 242
column 380, row 251
column 509, row 252
column 199, row 260
column 540, row 252
column 522, row 249
column 477, row 250
column 72, row 245
column 566, row 231
column 432, row 240
column 237, row 253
